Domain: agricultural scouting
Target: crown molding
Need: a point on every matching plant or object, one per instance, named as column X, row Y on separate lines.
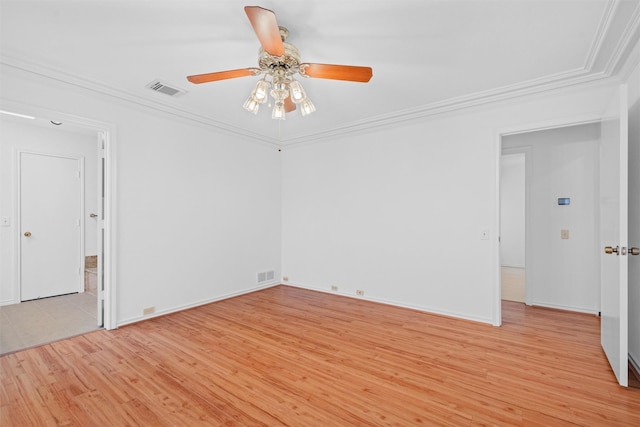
column 631, row 62
column 548, row 83
column 505, row 93
column 603, row 29
column 578, row 76
column 60, row 76
column 631, row 31
column 543, row 84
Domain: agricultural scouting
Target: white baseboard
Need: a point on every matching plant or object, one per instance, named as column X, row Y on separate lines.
column 430, row 310
column 635, row 366
column 565, row 307
column 195, row 304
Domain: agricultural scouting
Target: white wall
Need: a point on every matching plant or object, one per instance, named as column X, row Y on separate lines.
column 23, row 134
column 512, row 210
column 634, row 213
column 399, row 212
column 563, row 273
column 198, row 211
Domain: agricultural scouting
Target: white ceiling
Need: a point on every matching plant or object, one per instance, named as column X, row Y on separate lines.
column 427, row 56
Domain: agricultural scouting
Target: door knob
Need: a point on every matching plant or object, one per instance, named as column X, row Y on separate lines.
column 93, row 215
column 611, row 250
column 634, row 251
column 27, row 234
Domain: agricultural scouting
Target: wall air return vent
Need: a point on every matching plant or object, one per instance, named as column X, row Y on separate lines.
column 266, row 276
column 158, row 86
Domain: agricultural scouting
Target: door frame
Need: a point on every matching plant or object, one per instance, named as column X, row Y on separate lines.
column 108, row 131
column 523, row 128
column 18, row 169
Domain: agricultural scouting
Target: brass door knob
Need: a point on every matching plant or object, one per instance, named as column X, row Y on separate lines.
column 634, row 251
column 611, row 250
column 27, row 234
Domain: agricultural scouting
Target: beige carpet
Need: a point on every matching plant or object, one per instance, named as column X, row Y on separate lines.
column 41, row 321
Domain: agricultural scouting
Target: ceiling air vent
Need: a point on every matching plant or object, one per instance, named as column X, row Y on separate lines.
column 161, row 87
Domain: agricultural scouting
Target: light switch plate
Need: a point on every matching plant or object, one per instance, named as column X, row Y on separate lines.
column 5, row 221
column 564, row 233
column 484, row 234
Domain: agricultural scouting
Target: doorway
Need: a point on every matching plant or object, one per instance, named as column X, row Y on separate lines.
column 561, row 221
column 97, row 218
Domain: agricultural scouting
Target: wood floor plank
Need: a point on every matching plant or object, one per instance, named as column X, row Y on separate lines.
column 288, row 356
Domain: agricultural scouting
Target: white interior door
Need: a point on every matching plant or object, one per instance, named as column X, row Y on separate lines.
column 50, row 225
column 634, row 223
column 613, row 229
column 100, row 231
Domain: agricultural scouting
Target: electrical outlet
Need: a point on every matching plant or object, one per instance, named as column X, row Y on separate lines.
column 360, row 292
column 334, row 288
column 149, row 310
column 285, row 278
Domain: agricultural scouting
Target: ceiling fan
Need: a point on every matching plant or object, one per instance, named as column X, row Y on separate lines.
column 279, row 62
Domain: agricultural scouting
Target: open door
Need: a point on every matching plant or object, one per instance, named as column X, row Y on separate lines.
column 100, row 231
column 614, row 232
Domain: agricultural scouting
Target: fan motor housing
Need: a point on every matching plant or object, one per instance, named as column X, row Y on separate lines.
column 290, row 59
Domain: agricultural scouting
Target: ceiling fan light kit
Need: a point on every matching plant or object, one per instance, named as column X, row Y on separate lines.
column 279, row 62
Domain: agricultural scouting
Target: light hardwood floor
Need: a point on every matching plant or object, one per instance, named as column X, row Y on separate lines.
column 287, row 356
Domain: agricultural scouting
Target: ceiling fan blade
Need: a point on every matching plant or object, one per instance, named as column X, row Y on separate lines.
column 266, row 27
column 289, row 106
column 222, row 75
column 337, row 72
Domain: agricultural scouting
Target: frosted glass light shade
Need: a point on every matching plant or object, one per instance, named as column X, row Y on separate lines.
column 251, row 105
column 278, row 111
column 260, row 91
column 280, row 85
column 297, row 92
column 307, row 107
